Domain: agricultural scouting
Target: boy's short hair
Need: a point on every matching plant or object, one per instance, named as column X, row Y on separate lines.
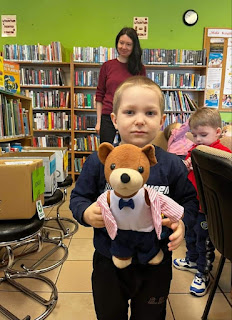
column 168, row 129
column 205, row 117
column 141, row 81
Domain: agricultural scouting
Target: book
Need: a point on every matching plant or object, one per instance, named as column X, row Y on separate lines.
column 11, row 76
column 2, row 85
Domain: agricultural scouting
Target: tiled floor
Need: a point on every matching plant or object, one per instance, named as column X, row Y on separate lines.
column 74, row 286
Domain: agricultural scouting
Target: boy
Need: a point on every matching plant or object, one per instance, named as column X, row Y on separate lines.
column 205, row 125
column 138, row 109
column 178, row 143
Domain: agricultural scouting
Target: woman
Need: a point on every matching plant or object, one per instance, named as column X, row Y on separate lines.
column 112, row 73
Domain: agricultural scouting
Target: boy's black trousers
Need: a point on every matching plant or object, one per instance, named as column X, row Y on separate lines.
column 147, row 288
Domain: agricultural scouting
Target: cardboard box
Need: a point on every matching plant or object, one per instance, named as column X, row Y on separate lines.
column 22, row 184
column 49, row 163
column 61, row 159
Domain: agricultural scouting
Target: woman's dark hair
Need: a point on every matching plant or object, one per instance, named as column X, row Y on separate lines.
column 134, row 60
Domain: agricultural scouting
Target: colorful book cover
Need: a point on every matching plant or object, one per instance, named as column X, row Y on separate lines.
column 11, row 76
column 1, row 74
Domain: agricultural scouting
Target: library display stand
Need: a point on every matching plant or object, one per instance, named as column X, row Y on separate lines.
column 218, row 43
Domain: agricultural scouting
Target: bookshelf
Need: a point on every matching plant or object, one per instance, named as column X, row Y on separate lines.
column 183, row 87
column 63, row 95
column 84, row 137
column 15, row 119
column 48, row 84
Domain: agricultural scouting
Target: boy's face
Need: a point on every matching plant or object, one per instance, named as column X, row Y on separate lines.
column 205, row 135
column 139, row 117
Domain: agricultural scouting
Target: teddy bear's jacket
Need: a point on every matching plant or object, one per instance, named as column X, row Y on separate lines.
column 159, row 204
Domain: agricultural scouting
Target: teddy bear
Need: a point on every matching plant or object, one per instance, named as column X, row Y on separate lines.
column 132, row 212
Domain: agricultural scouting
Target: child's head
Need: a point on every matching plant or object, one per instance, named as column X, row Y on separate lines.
column 169, row 128
column 205, row 125
column 138, row 108
column 227, row 131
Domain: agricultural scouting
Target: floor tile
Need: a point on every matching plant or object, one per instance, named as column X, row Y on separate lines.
column 83, row 232
column 81, row 249
column 74, row 306
column 188, row 307
column 75, row 276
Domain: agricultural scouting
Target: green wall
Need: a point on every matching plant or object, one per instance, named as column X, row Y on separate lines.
column 97, row 22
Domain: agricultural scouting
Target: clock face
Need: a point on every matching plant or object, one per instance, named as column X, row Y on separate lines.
column 190, row 17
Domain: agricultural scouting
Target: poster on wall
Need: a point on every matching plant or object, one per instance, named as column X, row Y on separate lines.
column 213, row 86
column 140, row 24
column 216, row 52
column 227, row 90
column 8, row 25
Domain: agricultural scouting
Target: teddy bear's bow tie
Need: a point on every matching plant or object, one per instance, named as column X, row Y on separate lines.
column 122, row 203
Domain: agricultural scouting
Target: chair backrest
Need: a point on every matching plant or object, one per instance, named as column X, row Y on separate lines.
column 213, row 173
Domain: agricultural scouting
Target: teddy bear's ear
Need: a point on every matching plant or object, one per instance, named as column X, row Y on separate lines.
column 149, row 150
column 104, row 149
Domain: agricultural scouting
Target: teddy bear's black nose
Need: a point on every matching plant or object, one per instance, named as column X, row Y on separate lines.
column 125, row 178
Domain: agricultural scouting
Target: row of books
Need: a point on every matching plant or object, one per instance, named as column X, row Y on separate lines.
column 182, row 80
column 14, row 120
column 179, row 101
column 85, row 100
column 78, row 164
column 85, row 122
column 37, row 52
column 174, row 56
column 48, row 98
column 175, row 117
column 85, row 78
column 11, row 146
column 88, row 143
column 52, row 121
column 52, row 141
column 94, row 54
column 43, row 77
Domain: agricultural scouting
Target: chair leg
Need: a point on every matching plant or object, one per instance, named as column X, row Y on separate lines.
column 214, row 287
column 48, row 304
column 66, row 231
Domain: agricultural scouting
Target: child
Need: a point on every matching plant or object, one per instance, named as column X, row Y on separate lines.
column 227, row 131
column 205, row 125
column 177, row 141
column 138, row 108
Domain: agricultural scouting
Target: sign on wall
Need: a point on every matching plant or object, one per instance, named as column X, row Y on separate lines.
column 140, row 25
column 8, row 25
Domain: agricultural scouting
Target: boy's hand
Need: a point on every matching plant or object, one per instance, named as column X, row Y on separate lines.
column 178, row 233
column 188, row 164
column 92, row 216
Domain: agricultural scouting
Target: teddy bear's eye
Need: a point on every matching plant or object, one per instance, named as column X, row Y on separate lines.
column 140, row 169
column 112, row 166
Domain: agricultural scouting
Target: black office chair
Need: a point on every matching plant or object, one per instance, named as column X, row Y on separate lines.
column 60, row 223
column 213, row 172
column 13, row 232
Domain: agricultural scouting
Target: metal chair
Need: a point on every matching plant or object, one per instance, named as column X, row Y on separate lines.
column 42, row 264
column 13, row 232
column 213, row 172
column 67, row 232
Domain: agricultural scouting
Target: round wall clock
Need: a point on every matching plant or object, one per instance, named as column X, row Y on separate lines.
column 190, row 17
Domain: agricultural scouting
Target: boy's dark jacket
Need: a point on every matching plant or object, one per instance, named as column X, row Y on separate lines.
column 169, row 176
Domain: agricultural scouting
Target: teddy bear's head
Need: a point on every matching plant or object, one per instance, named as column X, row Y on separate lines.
column 127, row 167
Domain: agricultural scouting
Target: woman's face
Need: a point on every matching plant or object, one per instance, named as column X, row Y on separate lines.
column 125, row 46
